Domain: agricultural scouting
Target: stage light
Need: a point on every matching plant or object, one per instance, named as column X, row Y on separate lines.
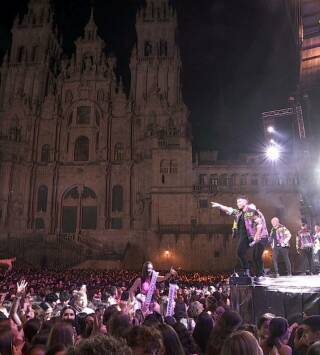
column 272, row 141
column 167, row 253
column 273, row 153
column 270, row 129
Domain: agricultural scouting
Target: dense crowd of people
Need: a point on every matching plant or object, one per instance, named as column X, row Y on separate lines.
column 96, row 312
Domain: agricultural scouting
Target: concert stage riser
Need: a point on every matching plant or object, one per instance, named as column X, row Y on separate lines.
column 292, row 303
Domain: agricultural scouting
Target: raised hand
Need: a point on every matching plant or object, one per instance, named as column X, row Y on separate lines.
column 21, row 287
column 173, row 271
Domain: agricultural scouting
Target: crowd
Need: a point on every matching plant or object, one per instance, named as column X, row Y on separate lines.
column 92, row 312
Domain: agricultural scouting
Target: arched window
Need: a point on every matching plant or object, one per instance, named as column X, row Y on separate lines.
column 214, row 180
column 173, row 167
column 42, row 198
column 20, row 54
column 163, row 48
column 70, row 211
column 88, row 209
column 118, row 152
column 79, row 210
column 81, row 149
column 117, row 198
column 147, row 48
column 83, row 114
column 45, row 153
column 171, row 129
column 164, row 166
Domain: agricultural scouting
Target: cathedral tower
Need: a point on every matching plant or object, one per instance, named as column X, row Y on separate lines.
column 27, row 75
column 155, row 61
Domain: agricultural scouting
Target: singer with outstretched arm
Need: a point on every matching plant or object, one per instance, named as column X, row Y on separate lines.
column 250, row 228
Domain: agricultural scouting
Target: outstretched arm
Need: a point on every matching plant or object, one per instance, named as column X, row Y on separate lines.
column 226, row 209
column 167, row 276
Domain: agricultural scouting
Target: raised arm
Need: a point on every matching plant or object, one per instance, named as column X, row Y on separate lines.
column 167, row 276
column 21, row 289
column 226, row 209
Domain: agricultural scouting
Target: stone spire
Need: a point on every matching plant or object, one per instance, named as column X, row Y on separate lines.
column 90, row 31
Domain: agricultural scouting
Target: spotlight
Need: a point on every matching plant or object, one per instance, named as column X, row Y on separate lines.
column 272, row 141
column 270, row 129
column 273, row 153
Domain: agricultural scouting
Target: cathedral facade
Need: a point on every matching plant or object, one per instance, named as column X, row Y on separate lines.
column 88, row 172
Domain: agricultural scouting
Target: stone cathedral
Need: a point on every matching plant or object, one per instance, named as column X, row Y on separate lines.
column 90, row 173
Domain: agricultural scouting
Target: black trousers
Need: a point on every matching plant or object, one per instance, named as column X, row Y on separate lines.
column 284, row 251
column 258, row 249
column 242, row 251
column 307, row 254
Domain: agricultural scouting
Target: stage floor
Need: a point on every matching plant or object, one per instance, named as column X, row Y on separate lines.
column 292, row 297
column 292, row 284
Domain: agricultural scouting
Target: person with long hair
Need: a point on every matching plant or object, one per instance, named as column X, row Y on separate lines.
column 241, row 342
column 143, row 283
column 275, row 343
column 61, row 333
column 171, row 340
column 229, row 322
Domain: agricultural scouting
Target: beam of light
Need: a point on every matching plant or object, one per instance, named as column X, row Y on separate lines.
column 273, row 152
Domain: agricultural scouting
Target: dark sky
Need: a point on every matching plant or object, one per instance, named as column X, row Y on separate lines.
column 238, row 59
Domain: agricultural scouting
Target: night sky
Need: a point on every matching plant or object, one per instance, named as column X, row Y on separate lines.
column 238, row 59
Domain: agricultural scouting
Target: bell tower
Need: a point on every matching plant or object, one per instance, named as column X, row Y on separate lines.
column 29, row 68
column 155, row 60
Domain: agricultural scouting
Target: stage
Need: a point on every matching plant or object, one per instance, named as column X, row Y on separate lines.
column 290, row 297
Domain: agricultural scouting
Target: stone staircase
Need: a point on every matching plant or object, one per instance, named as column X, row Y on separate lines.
column 53, row 252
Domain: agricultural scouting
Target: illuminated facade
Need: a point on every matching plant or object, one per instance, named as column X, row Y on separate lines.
column 89, row 173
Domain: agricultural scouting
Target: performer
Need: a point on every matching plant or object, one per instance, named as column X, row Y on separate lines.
column 305, row 244
column 280, row 237
column 146, row 283
column 250, row 226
